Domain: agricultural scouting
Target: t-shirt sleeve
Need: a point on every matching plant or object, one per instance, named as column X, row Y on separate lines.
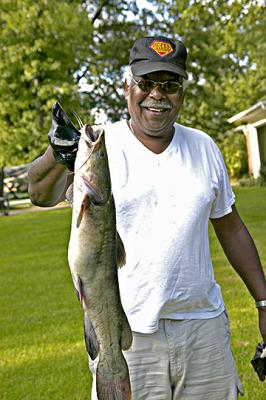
column 225, row 197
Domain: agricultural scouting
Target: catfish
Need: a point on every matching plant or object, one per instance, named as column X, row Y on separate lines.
column 95, row 252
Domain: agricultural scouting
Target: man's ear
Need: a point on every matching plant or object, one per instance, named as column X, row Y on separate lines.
column 126, row 89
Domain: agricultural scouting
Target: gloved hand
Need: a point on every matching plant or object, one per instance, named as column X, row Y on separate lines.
column 259, row 361
column 63, row 137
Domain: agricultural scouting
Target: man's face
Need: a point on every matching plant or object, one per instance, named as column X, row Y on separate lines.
column 154, row 112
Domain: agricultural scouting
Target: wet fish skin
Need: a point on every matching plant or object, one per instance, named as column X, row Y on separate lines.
column 93, row 262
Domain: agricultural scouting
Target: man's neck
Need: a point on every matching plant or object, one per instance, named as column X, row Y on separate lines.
column 156, row 144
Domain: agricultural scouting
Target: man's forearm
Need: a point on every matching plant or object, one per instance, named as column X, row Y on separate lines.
column 243, row 256
column 241, row 252
column 48, row 180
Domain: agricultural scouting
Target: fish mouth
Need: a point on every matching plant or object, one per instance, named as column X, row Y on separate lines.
column 93, row 136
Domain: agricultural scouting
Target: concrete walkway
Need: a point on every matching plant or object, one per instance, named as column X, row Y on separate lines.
column 29, row 208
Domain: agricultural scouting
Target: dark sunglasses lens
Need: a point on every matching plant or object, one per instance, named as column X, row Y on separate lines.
column 171, row 87
column 146, row 85
column 150, row 85
column 143, row 85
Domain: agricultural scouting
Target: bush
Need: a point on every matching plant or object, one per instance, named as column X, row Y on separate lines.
column 233, row 148
column 251, row 181
column 262, row 177
column 247, row 181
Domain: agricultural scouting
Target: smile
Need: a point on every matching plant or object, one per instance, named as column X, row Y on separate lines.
column 158, row 110
column 156, row 107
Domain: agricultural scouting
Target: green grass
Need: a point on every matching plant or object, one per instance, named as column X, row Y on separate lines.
column 41, row 335
column 251, row 205
column 42, row 353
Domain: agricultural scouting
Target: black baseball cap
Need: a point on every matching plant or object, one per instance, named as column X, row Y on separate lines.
column 158, row 53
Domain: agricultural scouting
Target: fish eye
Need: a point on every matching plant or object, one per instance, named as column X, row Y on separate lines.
column 102, row 154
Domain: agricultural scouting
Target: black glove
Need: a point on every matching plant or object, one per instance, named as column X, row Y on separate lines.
column 63, row 137
column 259, row 361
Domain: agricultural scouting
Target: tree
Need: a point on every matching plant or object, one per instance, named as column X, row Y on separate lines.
column 50, row 49
column 249, row 87
column 43, row 45
column 226, row 64
column 116, row 26
column 226, row 57
column 75, row 52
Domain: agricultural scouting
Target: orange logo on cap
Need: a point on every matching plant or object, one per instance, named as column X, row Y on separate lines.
column 161, row 48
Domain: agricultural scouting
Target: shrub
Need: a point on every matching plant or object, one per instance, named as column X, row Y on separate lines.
column 233, row 148
column 262, row 177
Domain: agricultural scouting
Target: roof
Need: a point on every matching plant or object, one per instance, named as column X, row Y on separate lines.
column 252, row 114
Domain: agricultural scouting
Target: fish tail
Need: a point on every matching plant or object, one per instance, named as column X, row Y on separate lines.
column 116, row 387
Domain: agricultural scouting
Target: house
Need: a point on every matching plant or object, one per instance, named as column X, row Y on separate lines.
column 253, row 124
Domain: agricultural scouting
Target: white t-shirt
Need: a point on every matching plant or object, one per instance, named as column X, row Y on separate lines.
column 163, row 204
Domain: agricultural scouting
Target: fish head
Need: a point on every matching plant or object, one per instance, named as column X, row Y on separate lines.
column 92, row 165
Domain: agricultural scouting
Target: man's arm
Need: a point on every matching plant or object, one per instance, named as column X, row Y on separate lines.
column 48, row 180
column 50, row 175
column 242, row 254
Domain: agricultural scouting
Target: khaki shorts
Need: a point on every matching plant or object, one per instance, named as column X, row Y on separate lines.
column 183, row 360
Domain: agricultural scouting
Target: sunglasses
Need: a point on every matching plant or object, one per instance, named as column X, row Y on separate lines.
column 168, row 87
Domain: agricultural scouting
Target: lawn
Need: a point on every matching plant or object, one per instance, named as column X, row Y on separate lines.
column 42, row 354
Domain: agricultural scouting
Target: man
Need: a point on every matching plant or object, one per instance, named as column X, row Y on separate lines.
column 168, row 181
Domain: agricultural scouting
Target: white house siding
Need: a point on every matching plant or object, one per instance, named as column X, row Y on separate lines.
column 253, row 122
column 254, row 150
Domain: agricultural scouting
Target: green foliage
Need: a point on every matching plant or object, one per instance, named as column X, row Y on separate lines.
column 117, row 26
column 226, row 57
column 49, row 50
column 43, row 44
column 247, row 181
column 248, row 87
column 233, row 147
column 262, row 177
column 52, row 49
column 251, row 181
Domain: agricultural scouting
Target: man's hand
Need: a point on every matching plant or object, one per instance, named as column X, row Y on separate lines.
column 259, row 361
column 63, row 137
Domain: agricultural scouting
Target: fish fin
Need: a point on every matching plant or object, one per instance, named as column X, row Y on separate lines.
column 120, row 251
column 91, row 341
column 78, row 286
column 126, row 337
column 117, row 388
column 84, row 206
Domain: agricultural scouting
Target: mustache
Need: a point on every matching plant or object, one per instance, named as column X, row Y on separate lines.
column 163, row 105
